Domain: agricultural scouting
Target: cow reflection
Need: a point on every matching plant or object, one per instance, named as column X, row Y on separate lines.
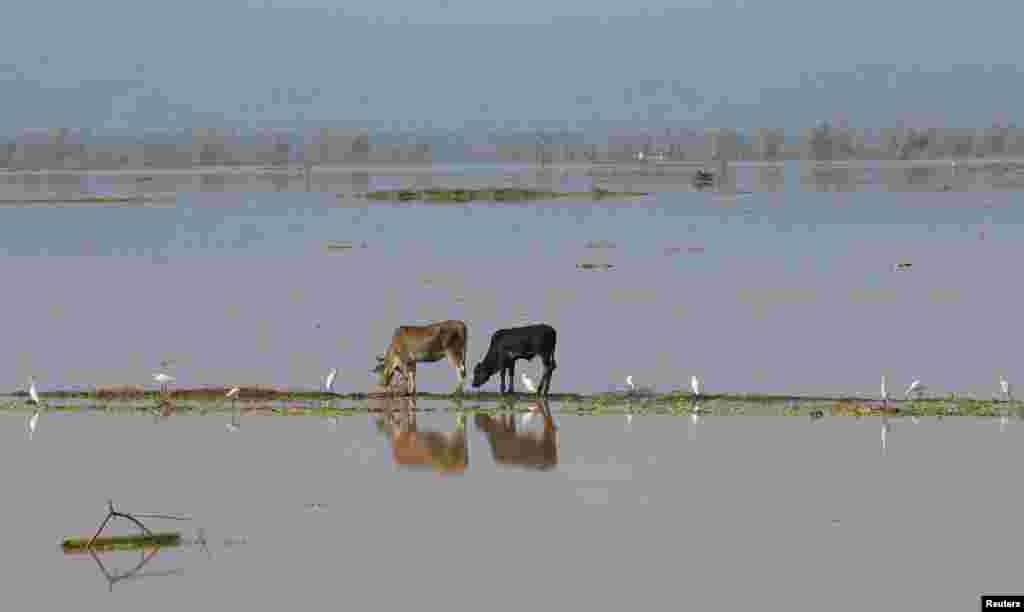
column 443, row 452
column 530, row 449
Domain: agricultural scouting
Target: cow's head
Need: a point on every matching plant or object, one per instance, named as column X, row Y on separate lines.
column 383, row 371
column 482, row 373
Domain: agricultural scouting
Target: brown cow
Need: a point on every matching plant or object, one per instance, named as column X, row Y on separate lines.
column 424, row 344
column 443, row 452
column 527, row 449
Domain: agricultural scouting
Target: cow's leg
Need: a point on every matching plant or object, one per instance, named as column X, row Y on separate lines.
column 411, row 375
column 501, row 373
column 460, row 370
column 549, row 370
column 511, row 375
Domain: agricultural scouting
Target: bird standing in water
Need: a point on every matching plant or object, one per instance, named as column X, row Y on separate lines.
column 34, row 419
column 914, row 386
column 163, row 379
column 532, row 388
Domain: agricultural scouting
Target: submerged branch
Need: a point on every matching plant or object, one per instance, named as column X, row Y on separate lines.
column 145, row 539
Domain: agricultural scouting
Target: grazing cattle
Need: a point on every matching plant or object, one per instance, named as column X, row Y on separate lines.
column 443, row 452
column 527, row 449
column 508, row 345
column 424, row 344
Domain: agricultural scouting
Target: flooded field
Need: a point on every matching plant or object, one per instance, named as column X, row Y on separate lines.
column 789, row 290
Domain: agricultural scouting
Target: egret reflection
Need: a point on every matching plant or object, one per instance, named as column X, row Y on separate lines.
column 886, row 428
column 691, row 428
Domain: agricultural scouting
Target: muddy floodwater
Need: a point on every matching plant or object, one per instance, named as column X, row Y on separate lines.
column 717, row 512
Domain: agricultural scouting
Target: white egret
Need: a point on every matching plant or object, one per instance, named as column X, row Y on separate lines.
column 232, row 395
column 914, row 386
column 163, row 379
column 532, row 388
column 32, row 391
column 694, row 420
column 1005, row 386
column 232, row 426
column 885, row 394
column 629, row 383
column 329, row 382
column 695, row 384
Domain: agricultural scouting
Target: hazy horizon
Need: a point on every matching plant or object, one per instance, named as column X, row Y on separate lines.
column 123, row 68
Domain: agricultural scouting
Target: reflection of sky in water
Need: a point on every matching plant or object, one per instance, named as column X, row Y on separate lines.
column 96, row 184
column 790, row 226
column 565, row 181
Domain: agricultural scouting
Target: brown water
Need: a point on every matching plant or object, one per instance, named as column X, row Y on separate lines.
column 728, row 513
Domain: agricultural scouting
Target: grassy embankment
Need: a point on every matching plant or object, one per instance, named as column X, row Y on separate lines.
column 263, row 400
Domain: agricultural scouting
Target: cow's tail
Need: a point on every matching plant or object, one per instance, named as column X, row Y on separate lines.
column 465, row 348
column 554, row 345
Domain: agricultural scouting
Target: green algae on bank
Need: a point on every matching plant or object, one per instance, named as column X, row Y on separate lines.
column 118, row 543
column 492, row 194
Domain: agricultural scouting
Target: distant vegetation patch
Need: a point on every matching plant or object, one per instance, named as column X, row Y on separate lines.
column 493, row 194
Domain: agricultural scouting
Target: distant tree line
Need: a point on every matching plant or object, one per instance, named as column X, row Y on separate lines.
column 822, row 143
column 66, row 149
column 207, row 147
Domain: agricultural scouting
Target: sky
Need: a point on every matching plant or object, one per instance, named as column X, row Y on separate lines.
column 482, row 66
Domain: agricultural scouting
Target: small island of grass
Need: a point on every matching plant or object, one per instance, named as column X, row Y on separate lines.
column 493, row 194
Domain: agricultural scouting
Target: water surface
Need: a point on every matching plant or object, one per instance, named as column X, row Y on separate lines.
column 787, row 291
column 659, row 509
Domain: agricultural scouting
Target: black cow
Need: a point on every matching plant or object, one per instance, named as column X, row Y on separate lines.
column 509, row 345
